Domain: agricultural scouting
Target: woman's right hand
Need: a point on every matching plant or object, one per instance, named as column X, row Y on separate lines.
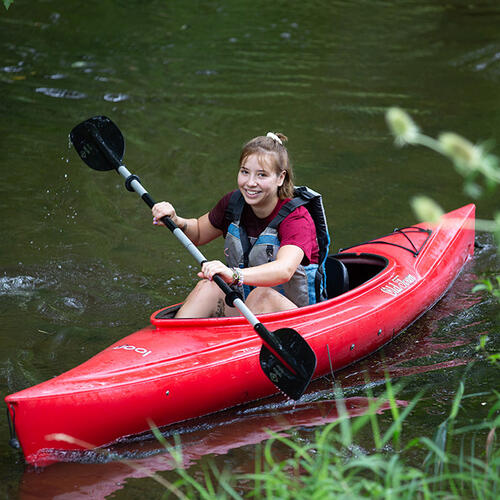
column 162, row 209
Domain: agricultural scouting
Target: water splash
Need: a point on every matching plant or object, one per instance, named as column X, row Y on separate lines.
column 18, row 285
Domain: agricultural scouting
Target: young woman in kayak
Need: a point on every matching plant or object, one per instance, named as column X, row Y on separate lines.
column 272, row 266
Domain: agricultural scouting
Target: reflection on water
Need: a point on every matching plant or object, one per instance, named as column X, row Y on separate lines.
column 98, row 474
column 81, row 265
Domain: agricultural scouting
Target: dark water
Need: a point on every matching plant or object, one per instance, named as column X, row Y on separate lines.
column 188, row 83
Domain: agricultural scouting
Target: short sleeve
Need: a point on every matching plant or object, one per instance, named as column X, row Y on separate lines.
column 298, row 229
column 217, row 216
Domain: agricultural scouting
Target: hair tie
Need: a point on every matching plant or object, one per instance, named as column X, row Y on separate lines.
column 274, row 137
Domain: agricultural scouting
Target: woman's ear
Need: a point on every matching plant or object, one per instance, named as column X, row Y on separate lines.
column 281, row 178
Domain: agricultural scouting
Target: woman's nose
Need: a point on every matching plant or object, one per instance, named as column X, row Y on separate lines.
column 252, row 180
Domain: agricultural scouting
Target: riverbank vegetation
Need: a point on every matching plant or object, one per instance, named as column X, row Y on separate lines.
column 462, row 459
column 479, row 168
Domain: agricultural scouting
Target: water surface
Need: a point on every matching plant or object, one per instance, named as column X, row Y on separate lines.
column 188, row 83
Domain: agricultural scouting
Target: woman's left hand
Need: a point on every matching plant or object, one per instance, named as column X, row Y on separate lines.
column 213, row 267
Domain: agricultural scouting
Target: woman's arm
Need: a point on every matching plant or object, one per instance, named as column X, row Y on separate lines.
column 199, row 231
column 270, row 274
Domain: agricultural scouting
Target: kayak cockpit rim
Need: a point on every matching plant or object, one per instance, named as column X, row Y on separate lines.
column 358, row 268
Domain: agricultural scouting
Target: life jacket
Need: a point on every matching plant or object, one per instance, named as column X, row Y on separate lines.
column 308, row 284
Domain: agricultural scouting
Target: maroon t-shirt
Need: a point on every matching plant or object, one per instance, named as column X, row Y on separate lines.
column 296, row 229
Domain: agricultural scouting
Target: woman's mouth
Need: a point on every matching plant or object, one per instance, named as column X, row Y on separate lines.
column 251, row 193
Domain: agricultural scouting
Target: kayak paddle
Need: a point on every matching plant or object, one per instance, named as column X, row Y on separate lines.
column 285, row 357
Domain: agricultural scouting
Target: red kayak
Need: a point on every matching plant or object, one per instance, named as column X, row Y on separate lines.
column 178, row 369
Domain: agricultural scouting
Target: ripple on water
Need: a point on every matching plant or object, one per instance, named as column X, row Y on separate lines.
column 62, row 291
column 73, row 303
column 485, row 60
column 56, row 76
column 110, row 97
column 13, row 69
column 60, row 93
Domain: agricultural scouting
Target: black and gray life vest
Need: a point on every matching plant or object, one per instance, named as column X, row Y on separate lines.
column 308, row 284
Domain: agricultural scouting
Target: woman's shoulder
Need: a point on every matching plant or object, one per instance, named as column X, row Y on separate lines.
column 300, row 213
column 224, row 201
column 217, row 216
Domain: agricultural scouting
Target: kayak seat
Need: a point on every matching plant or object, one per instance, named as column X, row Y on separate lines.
column 168, row 312
column 337, row 277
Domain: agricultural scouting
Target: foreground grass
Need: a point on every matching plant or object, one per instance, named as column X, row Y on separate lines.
column 459, row 462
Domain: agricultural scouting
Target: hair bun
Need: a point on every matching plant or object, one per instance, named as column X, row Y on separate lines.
column 277, row 137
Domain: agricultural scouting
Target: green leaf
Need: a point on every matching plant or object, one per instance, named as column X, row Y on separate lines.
column 484, row 285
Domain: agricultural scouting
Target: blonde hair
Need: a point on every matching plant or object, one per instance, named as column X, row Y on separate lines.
column 274, row 154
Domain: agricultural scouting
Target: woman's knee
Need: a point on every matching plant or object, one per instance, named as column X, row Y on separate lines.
column 203, row 301
column 206, row 287
column 259, row 294
column 266, row 299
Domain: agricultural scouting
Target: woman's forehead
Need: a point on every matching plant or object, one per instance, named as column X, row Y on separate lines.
column 260, row 161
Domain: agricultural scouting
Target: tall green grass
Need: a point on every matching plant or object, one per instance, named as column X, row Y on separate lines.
column 456, row 463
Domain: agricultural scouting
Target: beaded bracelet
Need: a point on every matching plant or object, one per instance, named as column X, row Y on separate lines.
column 237, row 276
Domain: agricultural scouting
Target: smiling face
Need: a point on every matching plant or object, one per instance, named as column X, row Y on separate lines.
column 259, row 182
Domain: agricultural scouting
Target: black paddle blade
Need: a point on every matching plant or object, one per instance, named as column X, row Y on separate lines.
column 302, row 360
column 94, row 140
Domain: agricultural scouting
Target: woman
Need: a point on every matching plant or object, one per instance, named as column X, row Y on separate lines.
column 271, row 248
